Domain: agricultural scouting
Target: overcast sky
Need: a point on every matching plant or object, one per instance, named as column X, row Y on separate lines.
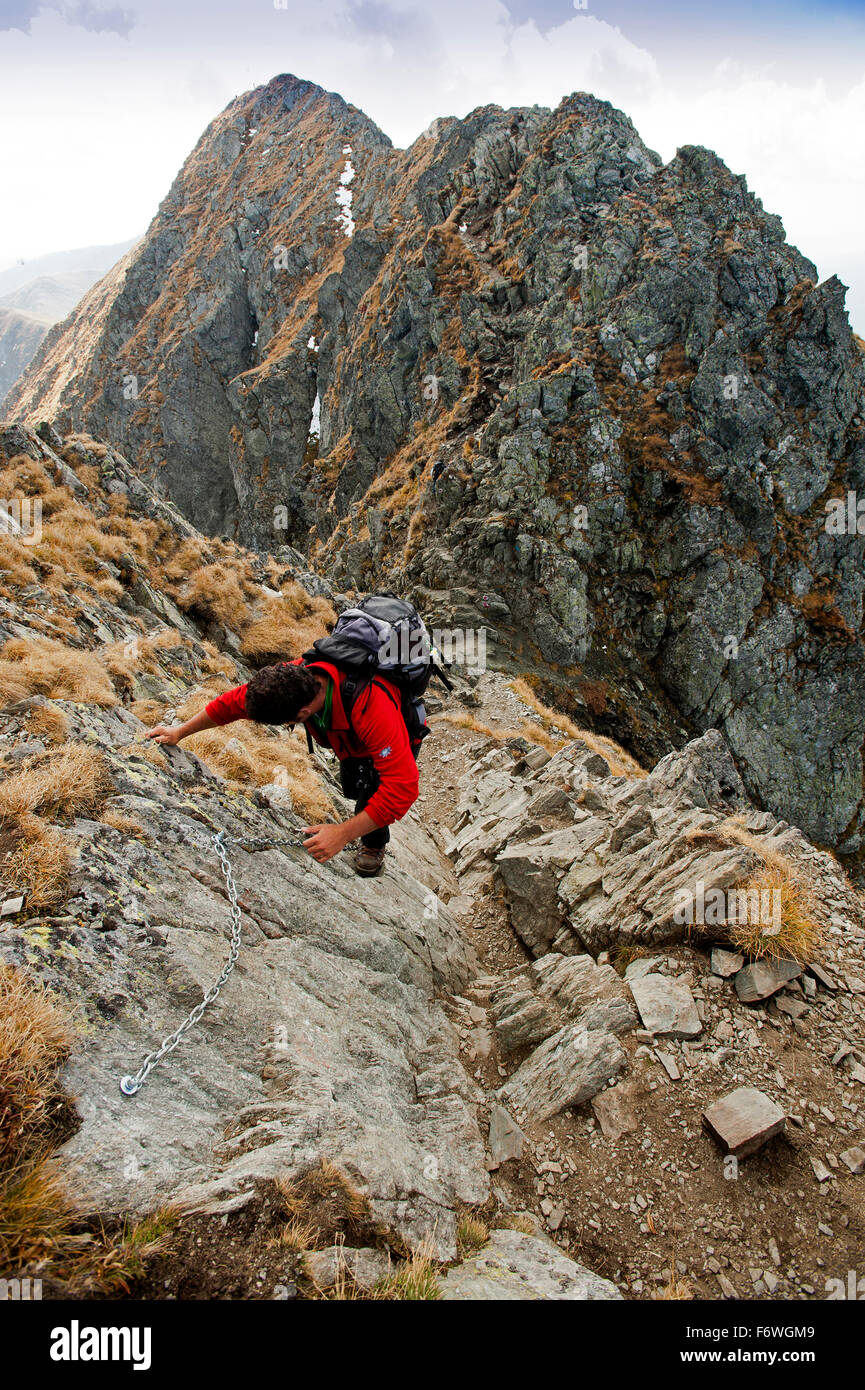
column 100, row 102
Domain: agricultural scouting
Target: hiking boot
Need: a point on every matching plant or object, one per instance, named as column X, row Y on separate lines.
column 368, row 862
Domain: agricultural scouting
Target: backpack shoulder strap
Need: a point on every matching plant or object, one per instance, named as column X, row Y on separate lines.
column 351, row 689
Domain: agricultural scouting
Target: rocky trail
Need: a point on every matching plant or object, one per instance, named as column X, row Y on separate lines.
column 631, row 1184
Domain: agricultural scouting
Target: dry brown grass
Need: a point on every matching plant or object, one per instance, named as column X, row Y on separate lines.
column 36, row 1219
column 799, row 934
column 534, row 733
column 216, row 594
column 124, row 660
column 472, row 1233
column 42, row 666
column 39, row 1224
column 518, row 1223
column 127, row 825
column 621, row 763
column 416, row 1280
column 324, row 1206
column 16, row 571
column 48, row 723
column 34, row 860
column 297, row 1235
column 36, row 1034
column 286, row 626
column 150, row 712
column 216, row 663
column 69, row 782
column 530, row 732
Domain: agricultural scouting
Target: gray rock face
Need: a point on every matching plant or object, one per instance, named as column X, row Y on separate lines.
column 613, row 877
column 647, row 410
column 324, row 1042
column 516, row 1266
column 531, row 1004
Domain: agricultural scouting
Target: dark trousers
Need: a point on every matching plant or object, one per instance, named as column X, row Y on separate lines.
column 360, row 781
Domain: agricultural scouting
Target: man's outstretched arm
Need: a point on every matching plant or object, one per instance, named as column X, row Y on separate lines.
column 223, row 710
column 163, row 734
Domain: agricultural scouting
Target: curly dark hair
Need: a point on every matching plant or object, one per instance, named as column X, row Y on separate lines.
column 276, row 693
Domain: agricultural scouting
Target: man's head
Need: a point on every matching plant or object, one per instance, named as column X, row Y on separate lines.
column 285, row 694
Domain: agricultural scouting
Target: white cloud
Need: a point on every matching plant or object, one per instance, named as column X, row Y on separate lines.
column 109, row 123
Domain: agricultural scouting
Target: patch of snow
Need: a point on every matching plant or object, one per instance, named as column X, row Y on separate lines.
column 255, row 339
column 343, row 197
column 463, row 227
column 312, row 344
column 253, row 131
column 315, row 422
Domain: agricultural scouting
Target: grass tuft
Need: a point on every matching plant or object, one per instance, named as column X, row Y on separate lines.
column 43, row 666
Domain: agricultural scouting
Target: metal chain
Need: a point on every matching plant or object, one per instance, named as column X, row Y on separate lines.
column 130, row 1084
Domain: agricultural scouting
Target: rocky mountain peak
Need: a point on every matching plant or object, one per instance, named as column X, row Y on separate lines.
column 639, row 403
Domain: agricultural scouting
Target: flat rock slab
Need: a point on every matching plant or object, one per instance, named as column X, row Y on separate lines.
column 506, row 1138
column 643, row 965
column 763, row 978
column 666, row 1007
column 822, row 977
column 744, row 1121
column 615, row 1111
column 668, row 1062
column 567, row 1069
column 726, row 963
column 516, row 1266
column 854, row 1157
column 793, row 1008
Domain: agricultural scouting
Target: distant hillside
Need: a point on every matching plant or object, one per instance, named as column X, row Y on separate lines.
column 20, row 336
column 36, row 294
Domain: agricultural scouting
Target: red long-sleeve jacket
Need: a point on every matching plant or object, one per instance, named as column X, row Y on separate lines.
column 377, row 730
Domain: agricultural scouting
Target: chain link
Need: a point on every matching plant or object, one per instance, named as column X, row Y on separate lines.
column 129, row 1085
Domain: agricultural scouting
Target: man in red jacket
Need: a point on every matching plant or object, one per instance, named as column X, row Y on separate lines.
column 378, row 766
